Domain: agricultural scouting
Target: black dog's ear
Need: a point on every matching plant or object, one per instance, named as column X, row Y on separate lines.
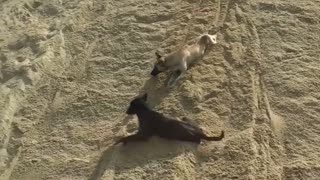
column 158, row 55
column 144, row 97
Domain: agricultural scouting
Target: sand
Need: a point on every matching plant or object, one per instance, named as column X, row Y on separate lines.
column 69, row 69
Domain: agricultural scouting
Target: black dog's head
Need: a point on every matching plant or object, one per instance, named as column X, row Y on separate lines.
column 159, row 65
column 137, row 104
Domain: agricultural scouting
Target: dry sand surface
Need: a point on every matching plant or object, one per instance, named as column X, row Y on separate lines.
column 68, row 70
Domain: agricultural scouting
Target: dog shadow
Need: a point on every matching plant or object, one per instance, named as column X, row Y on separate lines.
column 137, row 154
column 156, row 89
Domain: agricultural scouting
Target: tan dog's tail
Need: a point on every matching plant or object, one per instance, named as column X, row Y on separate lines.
column 208, row 39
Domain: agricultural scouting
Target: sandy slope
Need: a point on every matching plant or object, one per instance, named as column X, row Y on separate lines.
column 69, row 69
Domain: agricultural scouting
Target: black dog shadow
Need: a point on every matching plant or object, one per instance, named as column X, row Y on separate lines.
column 140, row 153
column 136, row 154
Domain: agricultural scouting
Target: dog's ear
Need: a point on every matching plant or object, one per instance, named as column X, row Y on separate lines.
column 160, row 60
column 144, row 97
column 158, row 55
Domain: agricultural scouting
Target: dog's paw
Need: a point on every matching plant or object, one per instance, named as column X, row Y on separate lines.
column 222, row 134
column 121, row 140
column 171, row 85
column 168, row 86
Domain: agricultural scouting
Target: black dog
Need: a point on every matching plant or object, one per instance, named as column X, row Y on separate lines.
column 153, row 123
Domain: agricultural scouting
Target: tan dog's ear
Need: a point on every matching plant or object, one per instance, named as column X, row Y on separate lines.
column 158, row 55
column 160, row 58
column 160, row 61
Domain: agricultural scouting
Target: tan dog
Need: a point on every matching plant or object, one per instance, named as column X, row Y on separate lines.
column 179, row 61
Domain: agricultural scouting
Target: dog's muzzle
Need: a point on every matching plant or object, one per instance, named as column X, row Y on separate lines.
column 130, row 112
column 155, row 72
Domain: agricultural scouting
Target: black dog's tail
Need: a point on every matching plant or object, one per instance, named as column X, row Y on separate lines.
column 219, row 138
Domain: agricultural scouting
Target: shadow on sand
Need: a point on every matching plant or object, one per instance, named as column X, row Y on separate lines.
column 136, row 154
column 156, row 89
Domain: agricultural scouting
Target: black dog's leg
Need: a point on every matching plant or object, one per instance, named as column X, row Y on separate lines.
column 132, row 138
column 191, row 121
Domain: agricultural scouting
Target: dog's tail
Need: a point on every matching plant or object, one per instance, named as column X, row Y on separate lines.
column 213, row 138
column 208, row 39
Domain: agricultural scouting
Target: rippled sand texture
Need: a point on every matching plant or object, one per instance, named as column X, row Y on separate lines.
column 68, row 70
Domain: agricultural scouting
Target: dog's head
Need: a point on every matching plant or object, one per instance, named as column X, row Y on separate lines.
column 137, row 104
column 159, row 65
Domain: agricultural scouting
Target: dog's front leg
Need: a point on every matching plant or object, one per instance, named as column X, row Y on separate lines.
column 131, row 138
column 190, row 121
column 178, row 74
column 173, row 78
